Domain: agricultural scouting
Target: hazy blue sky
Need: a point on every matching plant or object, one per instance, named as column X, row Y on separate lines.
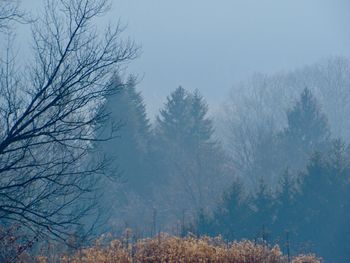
column 210, row 45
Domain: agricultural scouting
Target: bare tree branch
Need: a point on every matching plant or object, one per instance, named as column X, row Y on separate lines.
column 11, row 13
column 48, row 115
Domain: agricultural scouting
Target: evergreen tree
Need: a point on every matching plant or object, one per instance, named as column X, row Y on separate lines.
column 264, row 211
column 202, row 127
column 171, row 134
column 306, row 122
column 191, row 161
column 323, row 218
column 285, row 205
column 307, row 132
column 230, row 217
column 128, row 152
column 174, row 122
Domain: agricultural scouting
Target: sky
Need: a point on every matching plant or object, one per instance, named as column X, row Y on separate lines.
column 211, row 45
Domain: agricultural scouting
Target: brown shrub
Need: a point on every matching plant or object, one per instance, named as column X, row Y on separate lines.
column 170, row 249
column 307, row 259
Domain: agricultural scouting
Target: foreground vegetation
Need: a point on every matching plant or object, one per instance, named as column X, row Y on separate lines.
column 166, row 248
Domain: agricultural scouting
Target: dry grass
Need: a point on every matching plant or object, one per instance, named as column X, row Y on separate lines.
column 169, row 249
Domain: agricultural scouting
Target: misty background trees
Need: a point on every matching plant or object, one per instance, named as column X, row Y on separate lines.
column 272, row 172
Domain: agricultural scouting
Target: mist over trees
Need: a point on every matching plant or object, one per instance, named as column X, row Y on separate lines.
column 193, row 165
column 256, row 109
column 294, row 167
column 80, row 157
column 276, row 176
column 170, row 171
column 292, row 215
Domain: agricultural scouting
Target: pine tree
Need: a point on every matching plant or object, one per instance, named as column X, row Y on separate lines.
column 202, row 126
column 191, row 161
column 285, row 222
column 128, row 152
column 322, row 205
column 264, row 211
column 230, row 217
column 306, row 133
column 174, row 122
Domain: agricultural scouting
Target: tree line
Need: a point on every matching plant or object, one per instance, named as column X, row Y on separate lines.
column 308, row 210
column 186, row 181
column 173, row 168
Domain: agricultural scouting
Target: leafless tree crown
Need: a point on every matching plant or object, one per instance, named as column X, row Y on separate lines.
column 48, row 114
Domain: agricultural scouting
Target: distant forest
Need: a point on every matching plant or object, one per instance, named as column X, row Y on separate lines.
column 273, row 165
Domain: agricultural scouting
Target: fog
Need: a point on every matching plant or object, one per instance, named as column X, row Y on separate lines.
column 211, row 45
column 135, row 129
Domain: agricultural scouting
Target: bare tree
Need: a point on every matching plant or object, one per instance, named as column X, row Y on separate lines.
column 9, row 13
column 48, row 115
column 249, row 121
